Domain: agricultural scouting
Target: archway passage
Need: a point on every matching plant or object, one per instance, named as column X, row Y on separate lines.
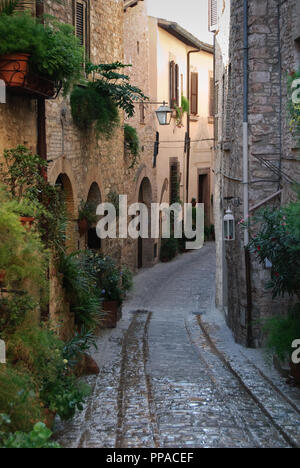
column 146, row 246
column 94, row 197
column 64, row 182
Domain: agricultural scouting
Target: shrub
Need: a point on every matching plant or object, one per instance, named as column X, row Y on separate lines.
column 282, row 331
column 278, row 240
column 13, row 310
column 19, row 399
column 22, row 254
column 132, row 140
column 168, row 249
column 39, row 438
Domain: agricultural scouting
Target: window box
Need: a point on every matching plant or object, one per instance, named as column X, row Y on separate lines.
column 14, row 71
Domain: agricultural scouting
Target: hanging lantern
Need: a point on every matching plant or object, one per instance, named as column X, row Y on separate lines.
column 229, row 226
column 164, row 114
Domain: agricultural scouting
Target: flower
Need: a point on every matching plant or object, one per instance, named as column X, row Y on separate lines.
column 65, row 361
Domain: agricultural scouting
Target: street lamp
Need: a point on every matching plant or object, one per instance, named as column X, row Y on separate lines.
column 229, row 226
column 164, row 114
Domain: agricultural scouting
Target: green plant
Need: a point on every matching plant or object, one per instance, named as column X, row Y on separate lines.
column 65, row 396
column 168, row 249
column 13, row 310
column 281, row 332
column 126, row 280
column 113, row 198
column 55, row 51
column 98, row 102
column 22, row 254
column 19, row 399
column 89, row 106
column 108, row 276
column 22, row 172
column 81, row 286
column 278, row 240
column 87, row 210
column 39, row 438
column 80, row 343
column 133, row 143
column 180, row 111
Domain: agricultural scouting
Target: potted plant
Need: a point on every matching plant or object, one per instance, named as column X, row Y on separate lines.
column 87, row 216
column 36, row 56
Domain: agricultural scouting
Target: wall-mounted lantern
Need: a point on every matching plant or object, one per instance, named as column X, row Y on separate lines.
column 164, row 114
column 229, row 226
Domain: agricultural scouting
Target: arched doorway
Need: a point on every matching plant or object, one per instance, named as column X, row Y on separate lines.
column 64, row 182
column 94, row 196
column 145, row 246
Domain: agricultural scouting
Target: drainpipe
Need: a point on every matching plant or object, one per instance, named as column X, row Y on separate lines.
column 245, row 125
column 41, row 106
column 188, row 137
column 249, row 338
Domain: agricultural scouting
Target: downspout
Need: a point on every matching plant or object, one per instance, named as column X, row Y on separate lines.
column 188, row 137
column 41, row 107
column 249, row 340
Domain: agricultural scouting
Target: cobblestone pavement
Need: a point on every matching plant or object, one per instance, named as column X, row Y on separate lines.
column 168, row 380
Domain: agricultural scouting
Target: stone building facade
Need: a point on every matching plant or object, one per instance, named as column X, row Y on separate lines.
column 87, row 167
column 273, row 51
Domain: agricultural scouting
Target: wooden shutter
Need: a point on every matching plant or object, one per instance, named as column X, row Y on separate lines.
column 177, row 85
column 80, row 21
column 172, row 84
column 27, row 5
column 174, row 182
column 194, row 93
column 212, row 15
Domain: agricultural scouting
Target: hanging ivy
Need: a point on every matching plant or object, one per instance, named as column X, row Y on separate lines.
column 132, row 143
column 98, row 103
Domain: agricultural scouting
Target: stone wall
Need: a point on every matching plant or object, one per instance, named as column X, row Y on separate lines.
column 271, row 47
column 137, row 54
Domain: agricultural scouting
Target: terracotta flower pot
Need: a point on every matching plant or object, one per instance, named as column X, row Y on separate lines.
column 112, row 313
column 27, row 221
column 83, row 226
column 14, row 68
column 49, row 418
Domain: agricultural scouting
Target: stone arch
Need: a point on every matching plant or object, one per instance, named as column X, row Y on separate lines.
column 94, row 195
column 64, row 182
column 146, row 246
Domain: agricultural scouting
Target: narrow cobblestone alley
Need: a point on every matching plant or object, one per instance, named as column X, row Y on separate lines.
column 165, row 383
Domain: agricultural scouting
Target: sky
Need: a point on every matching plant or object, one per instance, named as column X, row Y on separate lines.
column 192, row 15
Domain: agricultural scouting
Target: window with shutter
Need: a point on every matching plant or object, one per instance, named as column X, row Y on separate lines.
column 194, row 93
column 81, row 23
column 212, row 15
column 174, row 85
column 28, row 5
column 174, row 182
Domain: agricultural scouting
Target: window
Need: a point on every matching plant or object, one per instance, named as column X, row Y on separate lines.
column 142, row 113
column 29, row 5
column 174, row 85
column 297, row 51
column 194, row 93
column 174, row 182
column 81, row 23
column 212, row 15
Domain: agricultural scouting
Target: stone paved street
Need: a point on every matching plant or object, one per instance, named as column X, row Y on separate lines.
column 168, row 380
